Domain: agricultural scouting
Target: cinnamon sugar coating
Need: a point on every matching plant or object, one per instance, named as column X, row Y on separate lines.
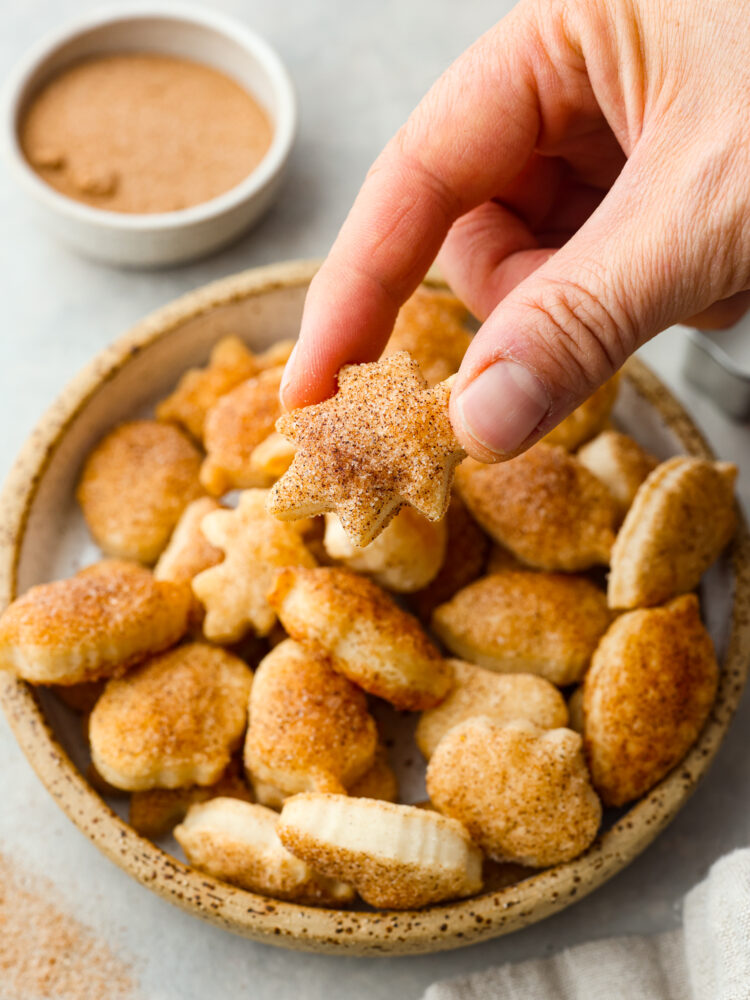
column 310, row 729
column 501, row 697
column 431, row 326
column 682, row 517
column 646, row 697
column 544, row 506
column 234, row 593
column 395, row 856
column 237, row 841
column 587, row 419
column 368, row 638
column 384, row 440
column 173, row 721
column 96, row 624
column 524, row 794
column 135, row 485
column 517, row 621
column 235, row 426
column 231, row 363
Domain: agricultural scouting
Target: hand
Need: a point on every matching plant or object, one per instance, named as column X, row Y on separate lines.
column 585, row 166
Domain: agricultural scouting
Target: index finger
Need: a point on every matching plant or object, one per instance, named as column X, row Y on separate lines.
column 468, row 137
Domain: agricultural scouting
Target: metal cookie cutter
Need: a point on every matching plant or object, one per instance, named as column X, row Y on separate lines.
column 714, row 365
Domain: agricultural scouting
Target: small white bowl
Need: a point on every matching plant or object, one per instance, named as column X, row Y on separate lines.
column 200, row 34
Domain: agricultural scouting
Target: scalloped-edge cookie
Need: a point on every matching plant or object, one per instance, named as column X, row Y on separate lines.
column 544, row 506
column 681, row 520
column 395, row 856
column 367, row 636
column 310, row 728
column 524, row 794
column 95, row 624
column 173, row 721
column 502, row 697
column 646, row 697
column 523, row 622
column 238, row 842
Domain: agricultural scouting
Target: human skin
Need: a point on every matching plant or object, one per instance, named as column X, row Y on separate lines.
column 583, row 171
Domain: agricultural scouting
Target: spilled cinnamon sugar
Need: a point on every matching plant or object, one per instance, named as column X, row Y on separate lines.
column 137, row 132
column 45, row 953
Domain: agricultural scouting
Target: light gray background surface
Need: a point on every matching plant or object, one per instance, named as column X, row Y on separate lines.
column 359, row 69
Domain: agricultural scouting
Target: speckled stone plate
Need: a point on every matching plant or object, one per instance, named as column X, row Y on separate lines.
column 42, row 537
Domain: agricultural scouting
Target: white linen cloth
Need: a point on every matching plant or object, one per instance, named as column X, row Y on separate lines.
column 708, row 959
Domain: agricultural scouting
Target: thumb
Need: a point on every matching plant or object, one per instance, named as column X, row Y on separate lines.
column 637, row 265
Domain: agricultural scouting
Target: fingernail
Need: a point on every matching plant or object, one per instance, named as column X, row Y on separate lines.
column 503, row 406
column 287, row 375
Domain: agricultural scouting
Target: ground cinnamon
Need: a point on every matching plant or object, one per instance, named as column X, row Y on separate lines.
column 138, row 132
column 46, row 954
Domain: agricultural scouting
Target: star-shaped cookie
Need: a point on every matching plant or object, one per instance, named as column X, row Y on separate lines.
column 255, row 546
column 384, row 440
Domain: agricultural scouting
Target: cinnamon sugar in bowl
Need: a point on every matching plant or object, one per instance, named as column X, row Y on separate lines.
column 149, row 137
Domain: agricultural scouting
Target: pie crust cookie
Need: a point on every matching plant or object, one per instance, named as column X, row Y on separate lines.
column 682, row 518
column 384, row 440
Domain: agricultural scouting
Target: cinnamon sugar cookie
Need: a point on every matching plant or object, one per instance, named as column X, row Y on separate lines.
column 367, row 636
column 135, row 485
column 173, row 721
column 620, row 463
column 384, row 440
column 586, row 420
column 682, row 518
column 96, row 624
column 431, row 326
column 395, row 856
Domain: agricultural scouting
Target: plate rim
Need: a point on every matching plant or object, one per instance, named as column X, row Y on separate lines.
column 349, row 932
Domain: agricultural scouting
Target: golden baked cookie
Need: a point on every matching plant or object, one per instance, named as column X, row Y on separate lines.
column 524, row 794
column 501, row 697
column 465, row 559
column 189, row 552
column 405, row 556
column 235, row 426
column 646, row 697
column 544, row 506
column 620, row 463
column 173, row 721
column 575, row 710
column 96, row 624
column 237, row 842
column 431, row 326
column 378, row 782
column 310, row 729
column 395, row 856
column 384, row 440
column 135, row 485
column 682, row 518
column 586, row 420
column 234, row 593
column 156, row 811
column 231, row 363
column 522, row 622
column 270, row 460
column 367, row 636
